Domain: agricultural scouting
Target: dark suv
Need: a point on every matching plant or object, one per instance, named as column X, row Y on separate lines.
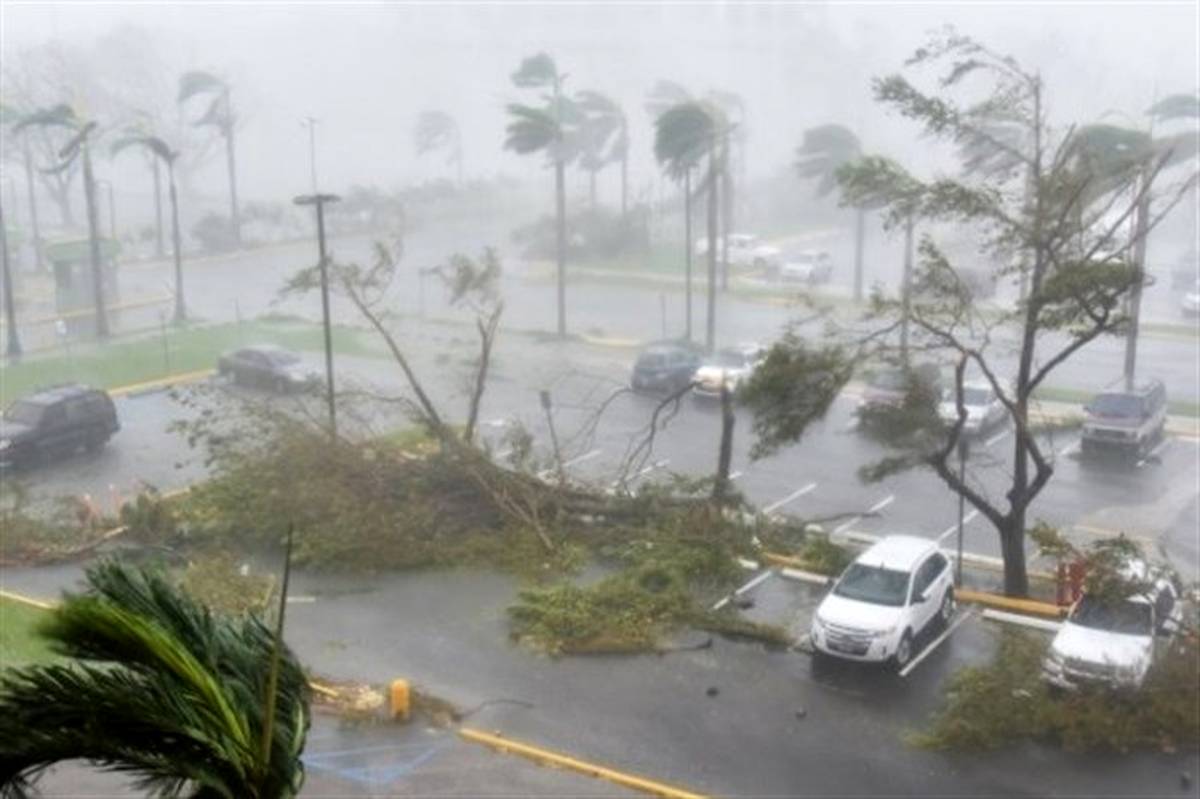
column 665, row 366
column 1129, row 422
column 56, row 421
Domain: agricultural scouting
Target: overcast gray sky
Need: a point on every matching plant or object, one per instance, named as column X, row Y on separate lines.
column 367, row 70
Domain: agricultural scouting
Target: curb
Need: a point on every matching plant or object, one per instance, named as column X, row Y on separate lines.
column 26, row 600
column 145, row 387
column 547, row 757
column 1029, row 607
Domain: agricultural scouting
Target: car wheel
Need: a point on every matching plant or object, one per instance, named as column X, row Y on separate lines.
column 94, row 442
column 946, row 612
column 904, row 652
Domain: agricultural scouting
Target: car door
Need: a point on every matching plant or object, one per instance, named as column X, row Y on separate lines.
column 924, row 601
column 78, row 425
column 54, row 433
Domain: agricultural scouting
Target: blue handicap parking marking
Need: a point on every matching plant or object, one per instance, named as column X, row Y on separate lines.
column 372, row 765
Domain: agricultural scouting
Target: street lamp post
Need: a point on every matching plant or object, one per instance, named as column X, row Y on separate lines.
column 319, row 200
column 13, row 349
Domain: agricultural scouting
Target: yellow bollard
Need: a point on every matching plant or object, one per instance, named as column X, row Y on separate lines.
column 401, row 699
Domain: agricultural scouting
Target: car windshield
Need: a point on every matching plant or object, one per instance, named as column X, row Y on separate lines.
column 651, row 360
column 1127, row 617
column 1120, row 405
column 873, row 584
column 281, row 357
column 24, row 412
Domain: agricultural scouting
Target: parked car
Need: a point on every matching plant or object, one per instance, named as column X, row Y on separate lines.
column 268, row 366
column 731, row 366
column 1190, row 304
column 887, row 385
column 1114, row 641
column 745, row 249
column 808, row 266
column 1128, row 422
column 56, row 422
column 665, row 366
column 887, row 597
column 980, row 401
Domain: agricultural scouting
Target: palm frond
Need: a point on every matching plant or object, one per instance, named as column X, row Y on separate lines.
column 1176, row 106
column 664, row 95
column 822, row 151
column 683, row 134
column 434, row 129
column 198, row 82
column 156, row 146
column 60, row 116
column 530, row 130
column 536, row 71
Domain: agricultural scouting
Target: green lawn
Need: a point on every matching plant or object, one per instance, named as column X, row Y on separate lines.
column 19, row 645
column 122, row 362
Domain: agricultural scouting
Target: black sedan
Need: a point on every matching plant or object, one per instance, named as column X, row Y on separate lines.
column 268, row 366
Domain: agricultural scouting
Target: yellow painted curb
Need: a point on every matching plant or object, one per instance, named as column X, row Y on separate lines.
column 78, row 313
column 169, row 380
column 608, row 341
column 1028, row 606
column 787, row 560
column 26, row 600
column 547, row 757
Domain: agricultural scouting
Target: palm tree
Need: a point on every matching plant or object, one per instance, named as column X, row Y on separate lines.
column 10, row 116
column 551, row 129
column 873, row 181
column 63, row 116
column 684, row 134
column 823, row 151
column 220, row 115
column 437, row 130
column 160, row 688
column 160, row 151
column 667, row 94
column 606, row 139
column 12, row 334
column 734, row 109
column 1116, row 159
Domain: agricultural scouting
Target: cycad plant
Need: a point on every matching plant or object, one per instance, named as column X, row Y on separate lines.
column 158, row 688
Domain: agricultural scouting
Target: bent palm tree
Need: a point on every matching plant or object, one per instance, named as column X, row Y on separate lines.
column 606, row 136
column 159, row 150
column 684, row 134
column 437, row 130
column 823, row 151
column 733, row 108
column 551, row 129
column 667, row 94
column 63, row 116
column 219, row 115
column 161, row 689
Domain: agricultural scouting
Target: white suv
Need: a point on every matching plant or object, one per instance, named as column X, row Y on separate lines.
column 884, row 599
column 1114, row 642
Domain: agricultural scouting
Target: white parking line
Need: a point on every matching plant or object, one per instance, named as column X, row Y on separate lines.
column 640, row 473
column 754, row 581
column 1003, row 434
column 734, row 475
column 1154, row 452
column 952, row 529
column 1067, row 450
column 935, row 643
column 853, row 520
column 799, row 492
column 503, row 454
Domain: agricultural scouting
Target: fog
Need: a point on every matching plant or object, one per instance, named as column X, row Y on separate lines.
column 366, row 71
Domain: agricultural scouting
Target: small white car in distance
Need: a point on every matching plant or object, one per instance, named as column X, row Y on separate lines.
column 745, row 249
column 984, row 408
column 1190, row 304
column 732, row 365
column 809, row 266
column 884, row 600
column 1114, row 642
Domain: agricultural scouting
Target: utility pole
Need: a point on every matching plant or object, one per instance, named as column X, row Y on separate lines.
column 13, row 349
column 311, row 124
column 319, row 200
